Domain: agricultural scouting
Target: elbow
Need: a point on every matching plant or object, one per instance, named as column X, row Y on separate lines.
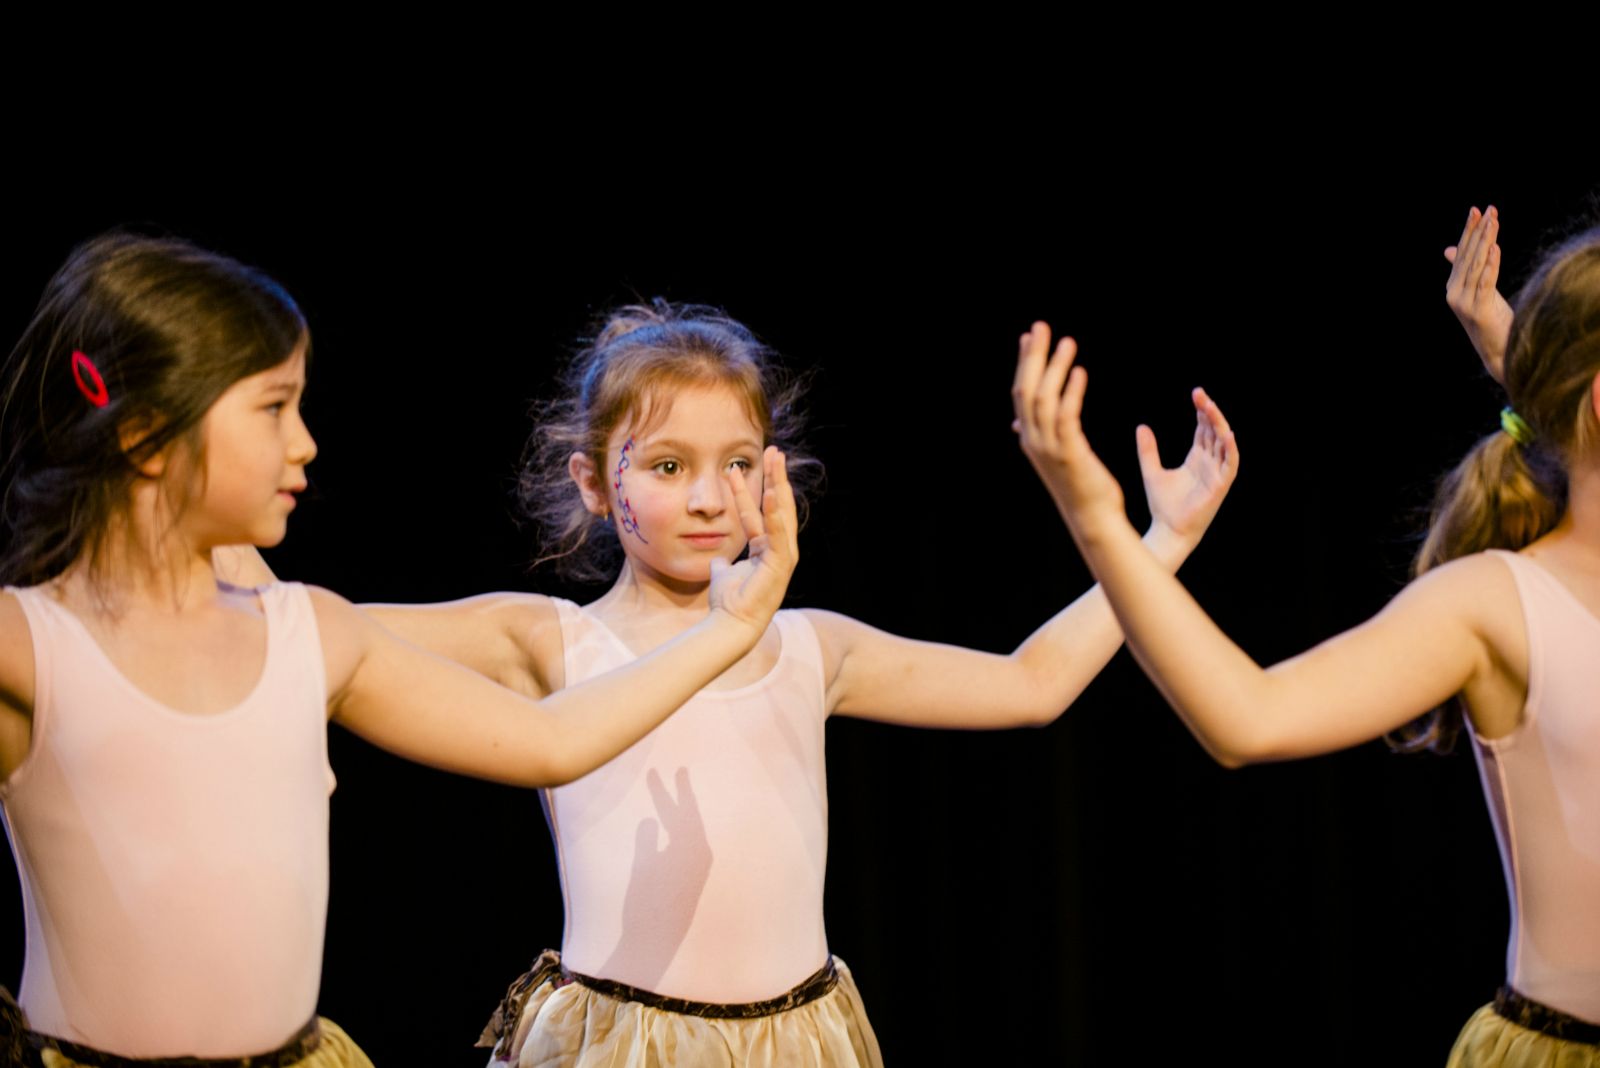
column 1242, row 749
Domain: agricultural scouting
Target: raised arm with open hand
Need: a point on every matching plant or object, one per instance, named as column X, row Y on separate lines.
column 1431, row 642
column 1472, row 292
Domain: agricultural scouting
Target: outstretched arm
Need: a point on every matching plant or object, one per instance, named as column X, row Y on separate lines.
column 875, row 675
column 1471, row 289
column 1426, row 646
column 428, row 709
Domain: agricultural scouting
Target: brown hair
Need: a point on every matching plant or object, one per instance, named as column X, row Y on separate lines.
column 640, row 355
column 1506, row 495
column 168, row 327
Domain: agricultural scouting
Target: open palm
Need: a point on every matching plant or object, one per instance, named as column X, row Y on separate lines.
column 1185, row 498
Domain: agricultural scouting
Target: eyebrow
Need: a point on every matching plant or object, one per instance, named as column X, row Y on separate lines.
column 681, row 446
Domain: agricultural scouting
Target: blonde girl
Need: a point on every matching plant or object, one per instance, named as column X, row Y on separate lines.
column 1500, row 625
column 163, row 741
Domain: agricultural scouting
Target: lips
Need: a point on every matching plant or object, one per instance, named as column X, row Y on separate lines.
column 704, row 541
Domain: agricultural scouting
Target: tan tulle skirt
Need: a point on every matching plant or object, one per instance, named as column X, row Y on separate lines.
column 551, row 1021
column 1489, row 1040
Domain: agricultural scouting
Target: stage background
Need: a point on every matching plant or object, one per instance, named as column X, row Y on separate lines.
column 1096, row 891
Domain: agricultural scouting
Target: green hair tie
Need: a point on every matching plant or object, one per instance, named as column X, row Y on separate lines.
column 1516, row 426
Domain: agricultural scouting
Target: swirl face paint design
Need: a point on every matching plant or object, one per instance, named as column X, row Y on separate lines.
column 625, row 516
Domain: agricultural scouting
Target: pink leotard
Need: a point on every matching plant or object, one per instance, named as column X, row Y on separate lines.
column 174, row 867
column 692, row 864
column 1543, row 787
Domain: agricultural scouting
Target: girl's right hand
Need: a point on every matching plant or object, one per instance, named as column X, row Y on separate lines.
column 1047, row 419
column 751, row 590
column 1471, row 292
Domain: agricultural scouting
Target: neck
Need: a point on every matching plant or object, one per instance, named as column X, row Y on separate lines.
column 640, row 590
column 147, row 561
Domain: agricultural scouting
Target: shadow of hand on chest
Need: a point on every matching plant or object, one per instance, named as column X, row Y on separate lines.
column 665, row 883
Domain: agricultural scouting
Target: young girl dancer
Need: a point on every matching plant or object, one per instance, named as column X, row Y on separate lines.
column 163, row 737
column 1502, row 616
column 692, row 865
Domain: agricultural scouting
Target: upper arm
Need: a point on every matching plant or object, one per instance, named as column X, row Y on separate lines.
column 512, row 638
column 423, row 707
column 16, row 685
column 1432, row 642
column 873, row 674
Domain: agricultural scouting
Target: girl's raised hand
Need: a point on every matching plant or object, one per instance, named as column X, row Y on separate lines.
column 1185, row 499
column 1047, row 397
column 1471, row 289
column 752, row 589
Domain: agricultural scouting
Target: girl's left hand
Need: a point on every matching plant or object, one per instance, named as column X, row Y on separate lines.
column 752, row 589
column 1047, row 398
column 1185, row 499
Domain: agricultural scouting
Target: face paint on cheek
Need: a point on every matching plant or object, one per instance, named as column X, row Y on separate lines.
column 625, row 517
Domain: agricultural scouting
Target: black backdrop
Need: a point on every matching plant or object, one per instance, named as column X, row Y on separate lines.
column 1091, row 891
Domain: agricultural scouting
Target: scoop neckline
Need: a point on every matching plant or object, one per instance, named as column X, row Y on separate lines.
column 704, row 691
column 154, row 702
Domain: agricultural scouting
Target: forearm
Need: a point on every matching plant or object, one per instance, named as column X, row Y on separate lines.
column 1061, row 658
column 426, row 708
column 594, row 721
column 1213, row 685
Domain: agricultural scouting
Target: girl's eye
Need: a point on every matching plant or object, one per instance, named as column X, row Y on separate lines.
column 741, row 464
column 668, row 467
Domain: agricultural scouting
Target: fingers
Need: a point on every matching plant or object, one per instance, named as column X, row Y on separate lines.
column 1144, row 440
column 744, row 504
column 1032, row 349
column 1474, row 260
column 777, row 501
column 1490, row 278
column 1049, row 398
column 1223, row 444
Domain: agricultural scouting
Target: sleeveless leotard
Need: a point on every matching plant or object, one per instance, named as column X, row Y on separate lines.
column 692, row 864
column 1543, row 788
column 174, row 867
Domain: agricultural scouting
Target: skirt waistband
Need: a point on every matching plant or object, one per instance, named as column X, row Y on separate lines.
column 816, row 985
column 22, row 1048
column 1537, row 1016
column 547, row 968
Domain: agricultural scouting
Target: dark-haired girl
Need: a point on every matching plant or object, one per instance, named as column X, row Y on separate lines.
column 163, row 736
column 693, row 864
column 1502, row 621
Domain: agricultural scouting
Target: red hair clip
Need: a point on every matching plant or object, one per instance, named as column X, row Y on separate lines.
column 95, row 388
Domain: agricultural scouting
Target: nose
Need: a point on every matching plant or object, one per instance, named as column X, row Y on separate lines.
column 302, row 446
column 706, row 494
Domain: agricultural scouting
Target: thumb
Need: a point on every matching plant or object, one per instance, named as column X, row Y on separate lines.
column 719, row 567
column 1149, row 456
column 1450, row 254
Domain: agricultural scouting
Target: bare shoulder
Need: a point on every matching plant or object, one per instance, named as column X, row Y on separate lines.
column 16, row 656
column 16, row 684
column 513, row 638
column 346, row 635
column 1479, row 589
column 838, row 635
column 835, row 632
column 532, row 623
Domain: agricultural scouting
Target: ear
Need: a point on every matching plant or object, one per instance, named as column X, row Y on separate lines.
column 583, row 473
column 134, row 432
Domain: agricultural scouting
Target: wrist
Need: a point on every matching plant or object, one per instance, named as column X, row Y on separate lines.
column 1168, row 546
column 735, row 631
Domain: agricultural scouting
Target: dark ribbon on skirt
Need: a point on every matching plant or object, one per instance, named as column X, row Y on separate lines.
column 1537, row 1016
